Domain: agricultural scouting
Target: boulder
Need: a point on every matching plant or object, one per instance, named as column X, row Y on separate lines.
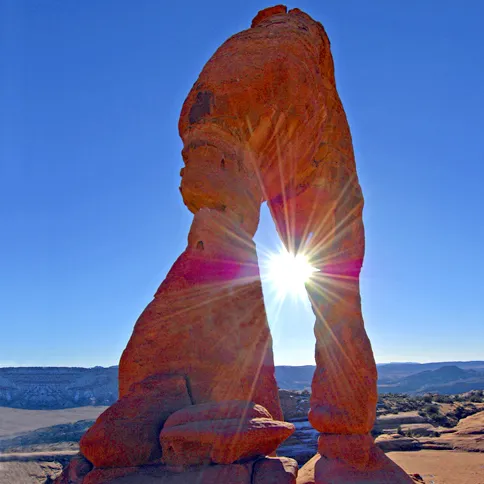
column 126, row 434
column 231, row 409
column 222, row 441
column 221, row 433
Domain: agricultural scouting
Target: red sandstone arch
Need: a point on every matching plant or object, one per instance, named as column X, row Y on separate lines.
column 264, row 123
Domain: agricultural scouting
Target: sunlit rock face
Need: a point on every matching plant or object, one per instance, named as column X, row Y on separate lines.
column 263, row 122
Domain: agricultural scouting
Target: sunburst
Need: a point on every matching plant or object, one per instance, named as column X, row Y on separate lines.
column 288, row 273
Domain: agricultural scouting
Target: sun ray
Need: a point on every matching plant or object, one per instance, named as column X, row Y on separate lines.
column 288, row 273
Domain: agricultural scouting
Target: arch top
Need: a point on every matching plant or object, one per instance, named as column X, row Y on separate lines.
column 266, row 13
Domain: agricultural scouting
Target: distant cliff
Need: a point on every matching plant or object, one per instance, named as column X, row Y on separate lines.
column 57, row 387
column 40, row 388
column 448, row 379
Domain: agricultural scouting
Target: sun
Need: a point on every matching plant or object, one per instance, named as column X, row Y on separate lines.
column 289, row 273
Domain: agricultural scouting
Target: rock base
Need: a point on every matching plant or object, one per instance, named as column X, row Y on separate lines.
column 323, row 470
column 267, row 470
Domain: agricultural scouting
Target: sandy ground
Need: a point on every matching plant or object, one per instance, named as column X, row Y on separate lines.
column 15, row 421
column 28, row 472
column 443, row 466
column 435, row 466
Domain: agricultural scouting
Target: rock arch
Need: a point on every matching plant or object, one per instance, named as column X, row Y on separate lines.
column 263, row 122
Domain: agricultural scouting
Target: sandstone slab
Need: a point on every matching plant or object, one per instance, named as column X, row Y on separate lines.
column 396, row 442
column 468, row 435
column 232, row 409
column 222, row 441
column 419, row 430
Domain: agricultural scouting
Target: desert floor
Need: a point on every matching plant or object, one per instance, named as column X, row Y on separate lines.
column 15, row 421
column 443, row 466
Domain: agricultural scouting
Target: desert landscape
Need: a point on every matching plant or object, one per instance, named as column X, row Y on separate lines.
column 185, row 196
column 438, row 436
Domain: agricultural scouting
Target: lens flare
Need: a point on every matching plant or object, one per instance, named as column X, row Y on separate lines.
column 289, row 273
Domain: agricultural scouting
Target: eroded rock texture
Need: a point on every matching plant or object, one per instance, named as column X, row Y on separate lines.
column 263, row 122
column 126, row 434
column 221, row 433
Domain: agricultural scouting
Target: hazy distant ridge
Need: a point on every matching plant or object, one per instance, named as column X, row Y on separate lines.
column 40, row 388
column 64, row 387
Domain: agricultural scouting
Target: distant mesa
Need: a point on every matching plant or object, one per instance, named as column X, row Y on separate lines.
column 48, row 388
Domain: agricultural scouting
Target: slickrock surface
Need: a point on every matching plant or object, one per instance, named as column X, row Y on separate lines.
column 126, row 434
column 391, row 422
column 472, row 425
column 389, row 442
column 468, row 435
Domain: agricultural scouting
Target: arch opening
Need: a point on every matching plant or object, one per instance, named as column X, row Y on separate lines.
column 289, row 312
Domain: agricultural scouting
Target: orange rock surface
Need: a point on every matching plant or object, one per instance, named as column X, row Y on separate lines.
column 232, row 409
column 221, row 433
column 126, row 434
column 222, row 441
column 207, row 321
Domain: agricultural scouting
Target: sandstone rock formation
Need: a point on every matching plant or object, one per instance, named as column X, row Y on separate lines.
column 126, row 434
column 263, row 122
column 468, row 435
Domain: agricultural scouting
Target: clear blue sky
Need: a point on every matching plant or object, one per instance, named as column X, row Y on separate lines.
column 90, row 214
